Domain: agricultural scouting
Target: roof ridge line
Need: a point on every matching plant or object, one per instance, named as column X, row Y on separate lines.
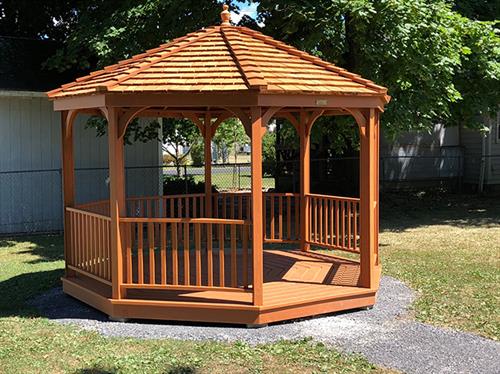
column 110, row 68
column 149, row 64
column 315, row 60
column 252, row 79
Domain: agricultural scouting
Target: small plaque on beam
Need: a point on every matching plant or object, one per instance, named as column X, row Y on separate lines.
column 321, row 102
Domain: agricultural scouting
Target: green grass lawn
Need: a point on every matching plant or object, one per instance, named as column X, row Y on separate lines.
column 230, row 181
column 449, row 251
column 31, row 344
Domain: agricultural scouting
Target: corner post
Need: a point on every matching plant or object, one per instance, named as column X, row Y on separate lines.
column 116, row 199
column 68, row 180
column 369, row 200
column 207, row 137
column 305, row 179
column 257, row 230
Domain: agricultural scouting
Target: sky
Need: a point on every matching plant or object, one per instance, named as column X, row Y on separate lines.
column 245, row 9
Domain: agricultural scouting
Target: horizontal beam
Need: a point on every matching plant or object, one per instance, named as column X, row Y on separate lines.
column 187, row 220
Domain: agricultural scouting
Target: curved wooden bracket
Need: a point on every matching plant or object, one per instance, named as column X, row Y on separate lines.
column 312, row 117
column 69, row 121
column 292, row 119
column 307, row 120
column 243, row 117
column 360, row 118
column 270, row 112
column 105, row 112
column 213, row 127
column 196, row 120
column 126, row 117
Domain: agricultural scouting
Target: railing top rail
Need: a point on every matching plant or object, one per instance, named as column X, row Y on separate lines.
column 186, row 220
column 281, row 194
column 134, row 198
column 86, row 212
column 92, row 203
column 355, row 199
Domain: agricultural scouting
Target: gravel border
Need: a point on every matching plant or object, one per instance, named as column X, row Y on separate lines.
column 384, row 334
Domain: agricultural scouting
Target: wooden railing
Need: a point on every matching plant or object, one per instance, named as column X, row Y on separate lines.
column 334, row 222
column 186, row 252
column 99, row 207
column 173, row 206
column 88, row 252
column 281, row 218
column 234, row 205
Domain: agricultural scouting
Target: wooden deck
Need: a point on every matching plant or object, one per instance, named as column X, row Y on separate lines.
column 296, row 284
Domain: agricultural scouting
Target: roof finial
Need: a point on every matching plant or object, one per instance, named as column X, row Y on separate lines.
column 225, row 15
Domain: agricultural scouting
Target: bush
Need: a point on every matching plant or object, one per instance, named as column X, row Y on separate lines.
column 175, row 185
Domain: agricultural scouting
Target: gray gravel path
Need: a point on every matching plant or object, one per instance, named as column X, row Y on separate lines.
column 384, row 335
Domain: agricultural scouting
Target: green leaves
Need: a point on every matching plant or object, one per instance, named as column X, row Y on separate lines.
column 437, row 65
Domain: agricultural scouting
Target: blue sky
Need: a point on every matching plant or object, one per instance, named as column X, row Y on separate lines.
column 245, row 9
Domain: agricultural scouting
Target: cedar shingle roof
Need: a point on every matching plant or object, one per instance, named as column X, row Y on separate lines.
column 222, row 59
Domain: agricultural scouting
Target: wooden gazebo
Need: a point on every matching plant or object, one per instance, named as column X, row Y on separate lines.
column 201, row 257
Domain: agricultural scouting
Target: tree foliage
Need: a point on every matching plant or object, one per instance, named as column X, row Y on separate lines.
column 109, row 31
column 423, row 51
column 230, row 134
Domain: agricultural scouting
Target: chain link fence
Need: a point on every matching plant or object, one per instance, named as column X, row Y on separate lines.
column 31, row 200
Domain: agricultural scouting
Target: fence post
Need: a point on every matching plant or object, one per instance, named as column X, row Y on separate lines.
column 185, row 180
column 239, row 177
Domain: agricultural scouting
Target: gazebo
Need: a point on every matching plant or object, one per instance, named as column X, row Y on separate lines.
column 201, row 257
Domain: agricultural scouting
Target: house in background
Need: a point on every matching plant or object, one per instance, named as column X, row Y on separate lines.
column 468, row 156
column 30, row 152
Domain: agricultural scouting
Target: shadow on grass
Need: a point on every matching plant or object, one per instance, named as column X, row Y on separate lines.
column 402, row 211
column 47, row 248
column 18, row 291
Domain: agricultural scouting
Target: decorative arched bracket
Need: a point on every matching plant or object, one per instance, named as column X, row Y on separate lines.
column 126, row 117
column 69, row 120
column 358, row 115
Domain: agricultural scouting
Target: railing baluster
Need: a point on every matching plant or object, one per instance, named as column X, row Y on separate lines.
column 175, row 257
column 244, row 230
column 272, row 217
column 349, row 224
column 197, row 236
column 186, row 255
column 151, row 254
column 297, row 218
column 210, row 266
column 163, row 252
column 221, row 255
column 128, row 256
column 234, row 274
column 264, row 217
column 280, row 217
column 140, row 254
column 288, row 217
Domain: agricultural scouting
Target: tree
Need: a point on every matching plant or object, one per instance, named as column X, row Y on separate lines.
column 179, row 135
column 109, row 31
column 42, row 19
column 482, row 10
column 230, row 134
column 421, row 50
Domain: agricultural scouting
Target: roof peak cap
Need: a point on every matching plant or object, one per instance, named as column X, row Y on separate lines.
column 225, row 15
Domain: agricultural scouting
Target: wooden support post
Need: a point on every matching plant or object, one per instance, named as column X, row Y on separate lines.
column 368, row 182
column 207, row 136
column 257, row 230
column 68, row 180
column 116, row 199
column 305, row 179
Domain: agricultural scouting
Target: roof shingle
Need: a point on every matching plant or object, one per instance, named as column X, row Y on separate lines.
column 222, row 58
